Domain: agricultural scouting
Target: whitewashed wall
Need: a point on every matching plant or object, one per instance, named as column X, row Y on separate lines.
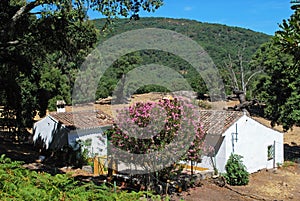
column 55, row 135
column 44, row 129
column 219, row 160
column 253, row 141
column 98, row 140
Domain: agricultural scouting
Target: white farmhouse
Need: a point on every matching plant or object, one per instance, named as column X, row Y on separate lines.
column 235, row 132
column 66, row 128
column 227, row 132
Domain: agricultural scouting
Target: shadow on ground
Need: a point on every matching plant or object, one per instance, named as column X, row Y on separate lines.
column 17, row 150
column 292, row 153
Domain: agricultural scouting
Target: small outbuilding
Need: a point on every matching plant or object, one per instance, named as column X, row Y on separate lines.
column 235, row 132
column 61, row 129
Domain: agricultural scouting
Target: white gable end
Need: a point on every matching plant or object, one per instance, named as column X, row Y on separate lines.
column 260, row 146
column 252, row 142
column 44, row 129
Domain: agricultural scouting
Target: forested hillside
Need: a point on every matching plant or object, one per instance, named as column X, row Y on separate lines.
column 40, row 60
column 227, row 46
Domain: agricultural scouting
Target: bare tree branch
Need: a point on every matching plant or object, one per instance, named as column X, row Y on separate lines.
column 13, row 42
column 229, row 67
column 244, row 79
column 24, row 10
column 240, row 57
column 251, row 76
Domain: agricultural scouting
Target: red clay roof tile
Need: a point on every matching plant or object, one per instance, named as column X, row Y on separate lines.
column 83, row 119
column 216, row 122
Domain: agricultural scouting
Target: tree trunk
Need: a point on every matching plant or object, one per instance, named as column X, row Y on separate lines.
column 244, row 104
column 240, row 95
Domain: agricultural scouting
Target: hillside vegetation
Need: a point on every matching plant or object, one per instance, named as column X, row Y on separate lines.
column 219, row 41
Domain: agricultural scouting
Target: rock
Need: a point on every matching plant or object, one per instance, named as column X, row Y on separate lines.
column 206, row 174
column 283, row 184
column 40, row 159
column 198, row 182
column 87, row 168
column 215, row 176
column 187, row 94
column 104, row 101
column 34, row 166
column 220, row 181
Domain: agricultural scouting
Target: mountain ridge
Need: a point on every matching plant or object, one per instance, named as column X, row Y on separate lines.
column 222, row 43
column 201, row 32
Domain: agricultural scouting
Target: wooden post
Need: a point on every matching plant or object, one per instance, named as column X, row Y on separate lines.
column 96, row 166
column 274, row 153
column 110, row 167
column 115, row 186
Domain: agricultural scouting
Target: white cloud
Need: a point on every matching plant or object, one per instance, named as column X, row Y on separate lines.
column 188, row 8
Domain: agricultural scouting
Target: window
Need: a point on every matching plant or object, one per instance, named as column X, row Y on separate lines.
column 270, row 152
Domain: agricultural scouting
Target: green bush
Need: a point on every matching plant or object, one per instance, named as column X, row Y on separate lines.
column 236, row 172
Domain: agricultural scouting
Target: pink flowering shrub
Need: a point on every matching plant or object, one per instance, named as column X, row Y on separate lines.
column 166, row 131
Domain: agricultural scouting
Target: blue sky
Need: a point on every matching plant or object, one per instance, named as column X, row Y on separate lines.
column 258, row 15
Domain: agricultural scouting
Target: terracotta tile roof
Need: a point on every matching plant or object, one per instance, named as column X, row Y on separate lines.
column 216, row 122
column 83, row 119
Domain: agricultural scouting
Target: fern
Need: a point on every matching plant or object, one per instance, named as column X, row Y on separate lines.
column 18, row 183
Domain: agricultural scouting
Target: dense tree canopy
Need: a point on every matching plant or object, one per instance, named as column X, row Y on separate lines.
column 43, row 43
column 279, row 88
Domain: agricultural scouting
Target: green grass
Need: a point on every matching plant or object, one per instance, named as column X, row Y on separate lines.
column 288, row 164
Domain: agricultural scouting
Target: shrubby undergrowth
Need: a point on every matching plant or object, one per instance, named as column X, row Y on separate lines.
column 19, row 183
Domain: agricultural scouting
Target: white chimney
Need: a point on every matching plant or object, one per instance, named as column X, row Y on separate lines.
column 60, row 106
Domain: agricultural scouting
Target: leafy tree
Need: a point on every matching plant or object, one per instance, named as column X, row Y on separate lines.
column 288, row 38
column 279, row 88
column 55, row 87
column 115, row 73
column 54, row 35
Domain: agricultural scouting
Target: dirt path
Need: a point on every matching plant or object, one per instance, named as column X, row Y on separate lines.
column 280, row 184
column 210, row 192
